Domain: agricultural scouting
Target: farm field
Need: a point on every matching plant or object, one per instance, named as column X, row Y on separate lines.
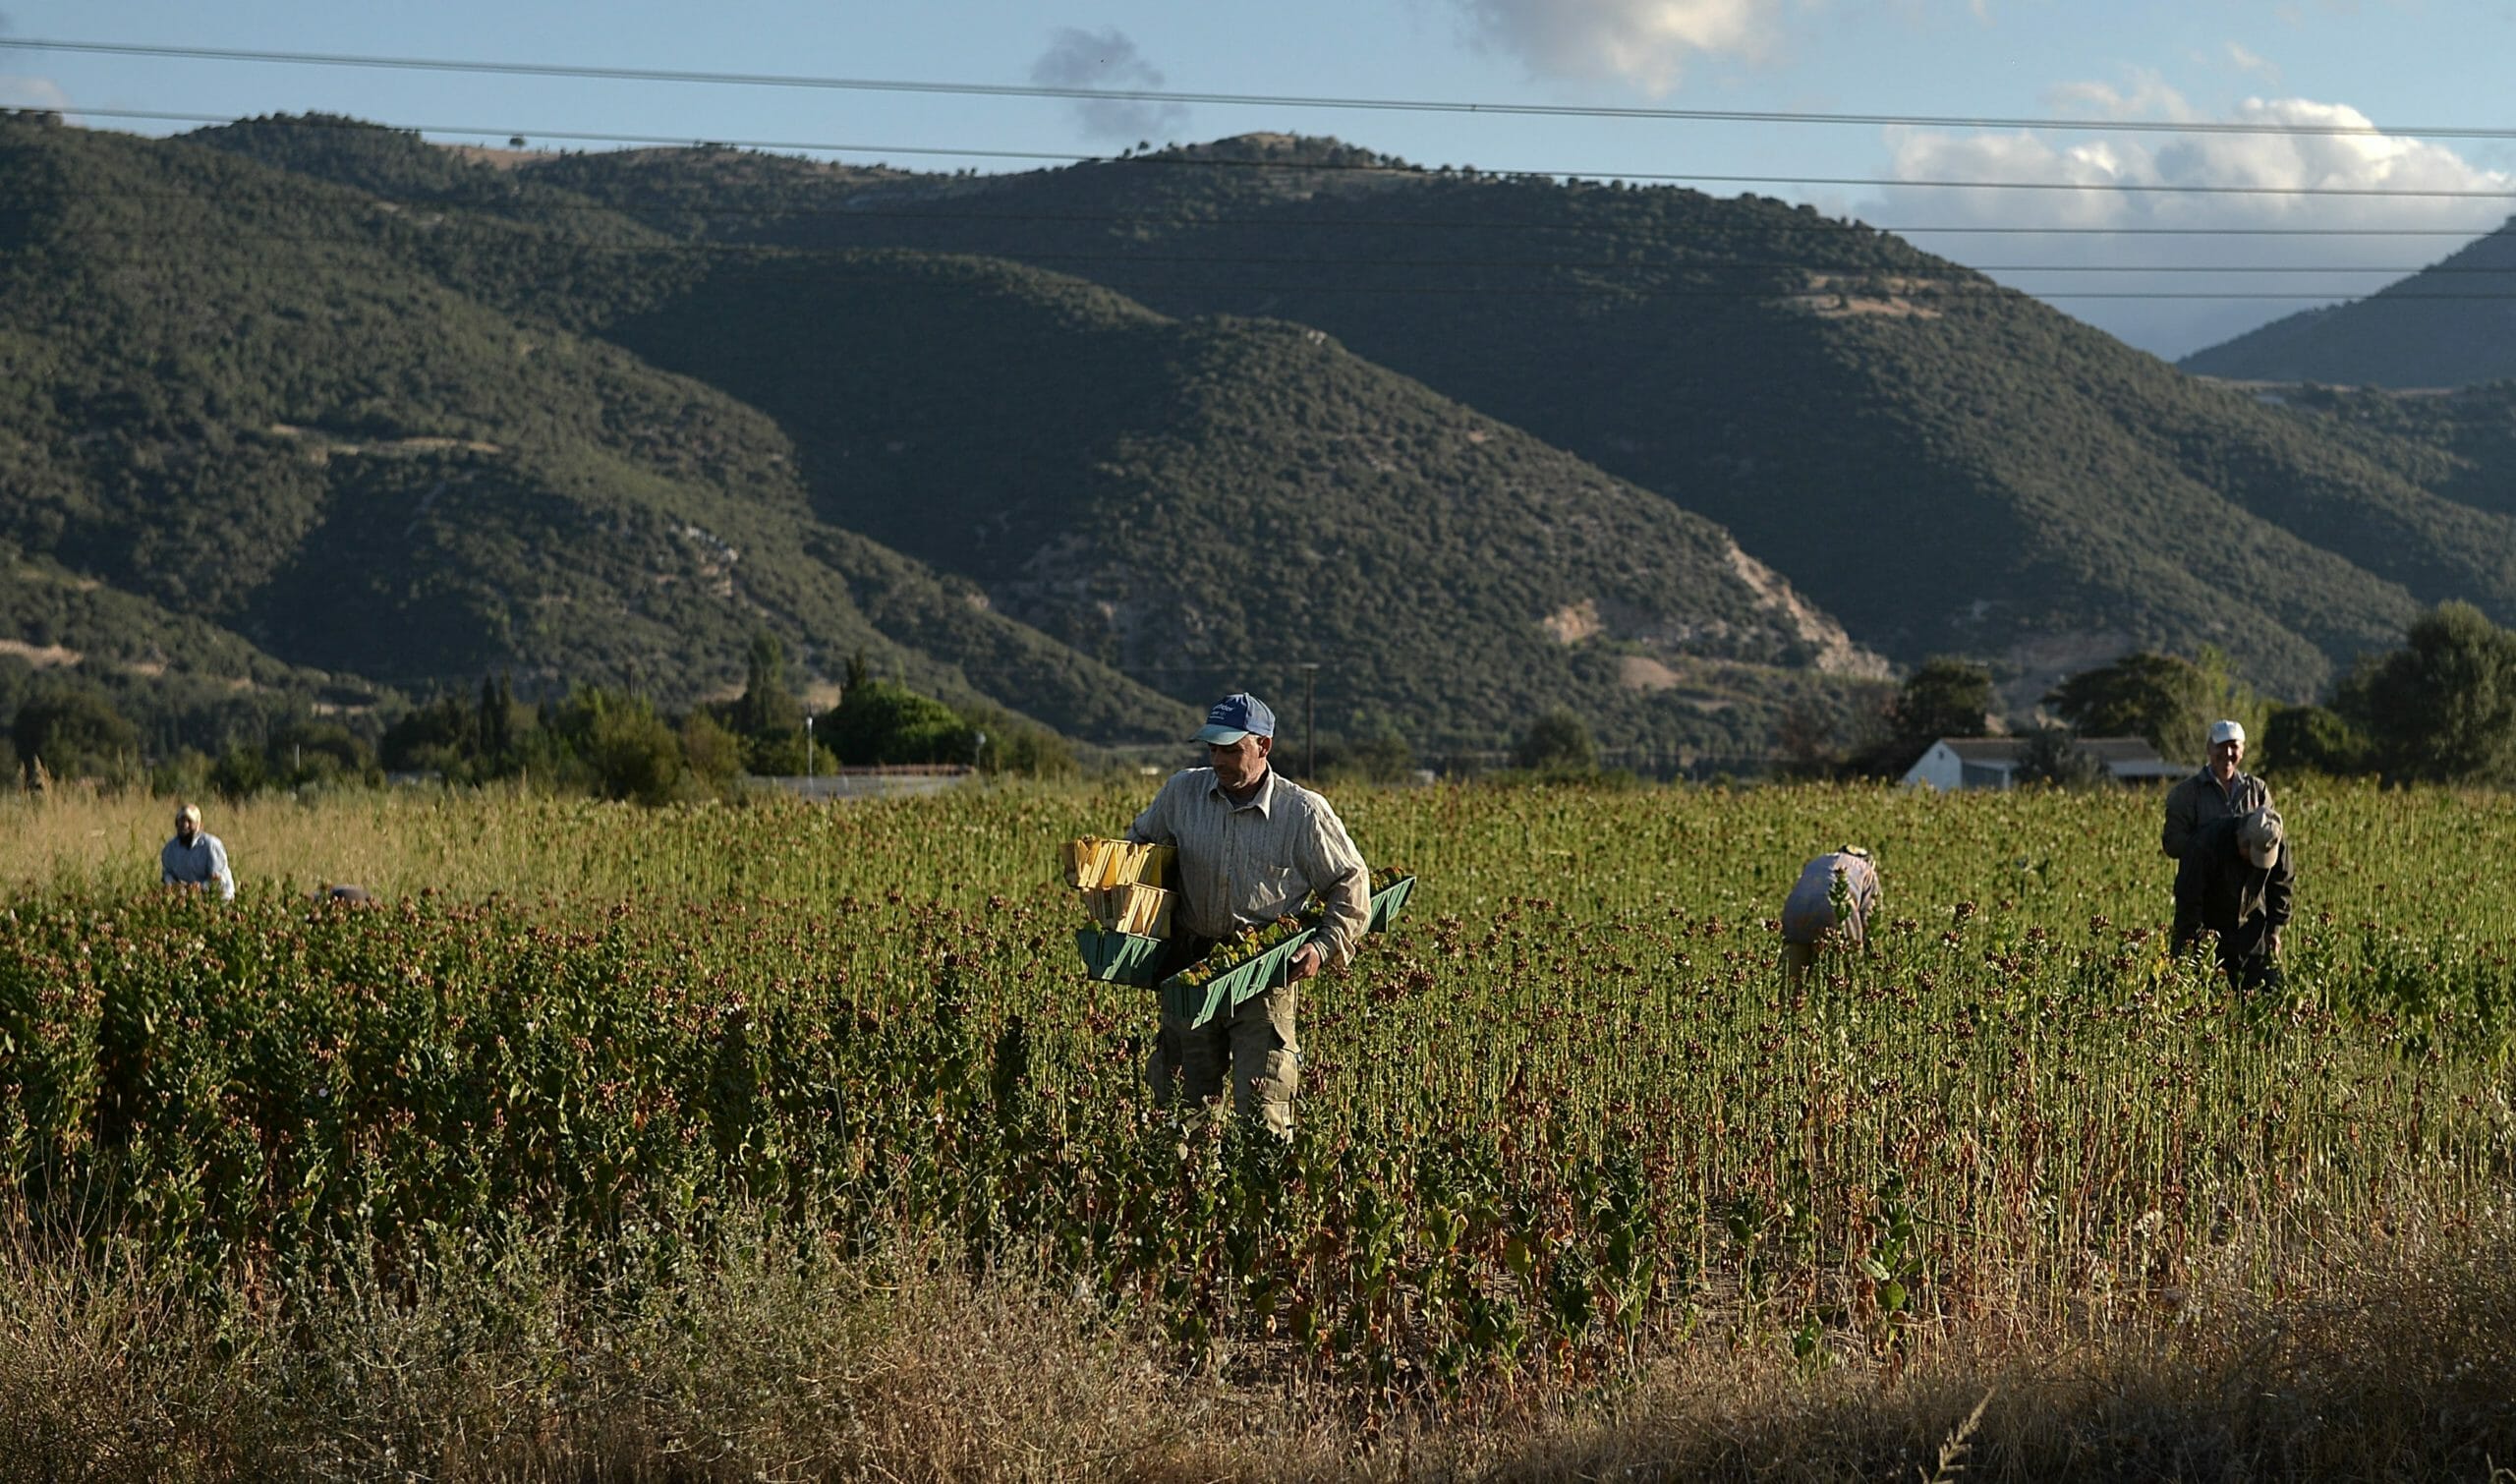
column 789, row 1141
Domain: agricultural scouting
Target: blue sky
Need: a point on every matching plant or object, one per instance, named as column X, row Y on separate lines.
column 2400, row 65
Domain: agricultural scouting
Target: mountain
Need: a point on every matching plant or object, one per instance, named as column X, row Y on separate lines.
column 1945, row 465
column 1196, row 505
column 256, row 399
column 186, row 682
column 1203, row 500
column 1092, row 443
column 2452, row 323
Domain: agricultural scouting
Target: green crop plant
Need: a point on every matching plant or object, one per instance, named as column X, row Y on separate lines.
column 1563, row 1117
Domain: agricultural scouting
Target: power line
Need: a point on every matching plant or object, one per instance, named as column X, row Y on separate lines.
column 1173, row 160
column 1242, row 99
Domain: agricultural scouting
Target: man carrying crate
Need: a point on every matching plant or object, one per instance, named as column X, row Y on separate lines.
column 1251, row 847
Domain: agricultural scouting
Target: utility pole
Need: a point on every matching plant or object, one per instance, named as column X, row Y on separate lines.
column 808, row 744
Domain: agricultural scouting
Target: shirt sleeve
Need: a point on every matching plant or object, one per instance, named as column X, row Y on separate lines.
column 2188, row 901
column 2277, row 884
column 1333, row 867
column 1153, row 825
column 2177, row 832
column 218, row 869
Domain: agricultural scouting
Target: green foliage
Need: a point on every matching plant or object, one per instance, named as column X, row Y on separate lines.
column 630, row 751
column 339, row 459
column 885, row 722
column 74, row 732
column 2313, row 739
column 2442, row 709
column 1671, row 1148
column 2052, row 755
column 2435, row 329
column 2167, row 700
column 766, row 708
column 1944, row 698
column 388, row 450
column 1381, row 755
column 1946, row 466
column 714, row 754
column 1018, row 748
column 1558, row 742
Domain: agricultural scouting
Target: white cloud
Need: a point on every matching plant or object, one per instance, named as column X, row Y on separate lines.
column 2247, row 61
column 2256, row 242
column 33, row 93
column 1107, row 59
column 1644, row 42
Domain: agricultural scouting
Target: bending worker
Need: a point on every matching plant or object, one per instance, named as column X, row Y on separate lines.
column 1251, row 847
column 1808, row 913
column 196, row 857
column 2236, row 881
column 2218, row 791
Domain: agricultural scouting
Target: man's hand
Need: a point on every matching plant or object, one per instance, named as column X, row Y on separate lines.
column 1307, row 961
column 2271, row 940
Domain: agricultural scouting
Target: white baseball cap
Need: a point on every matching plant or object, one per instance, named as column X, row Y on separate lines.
column 2226, row 732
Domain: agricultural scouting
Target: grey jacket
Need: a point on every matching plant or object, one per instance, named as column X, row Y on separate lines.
column 2199, row 800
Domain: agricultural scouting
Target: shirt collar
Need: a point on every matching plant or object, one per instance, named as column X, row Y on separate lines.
column 1262, row 801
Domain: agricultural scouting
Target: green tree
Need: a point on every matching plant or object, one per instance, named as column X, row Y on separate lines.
column 2313, row 739
column 442, row 736
column 1559, row 742
column 2168, row 700
column 74, row 732
column 2051, row 755
column 714, row 754
column 882, row 722
column 628, row 751
column 496, row 731
column 1945, row 698
column 766, row 708
column 2442, row 709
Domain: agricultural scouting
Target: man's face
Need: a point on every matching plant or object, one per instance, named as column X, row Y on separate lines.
column 2225, row 755
column 184, row 827
column 1240, row 765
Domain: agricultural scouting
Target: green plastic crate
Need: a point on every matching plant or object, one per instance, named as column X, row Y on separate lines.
column 1200, row 1003
column 1122, row 957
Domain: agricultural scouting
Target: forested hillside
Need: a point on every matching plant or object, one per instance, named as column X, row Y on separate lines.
column 522, row 479
column 2452, row 323
column 1943, row 464
column 1091, row 443
column 231, row 392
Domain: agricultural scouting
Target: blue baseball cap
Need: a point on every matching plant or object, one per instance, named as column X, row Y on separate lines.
column 1237, row 716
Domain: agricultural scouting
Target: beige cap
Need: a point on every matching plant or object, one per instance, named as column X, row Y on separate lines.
column 2260, row 834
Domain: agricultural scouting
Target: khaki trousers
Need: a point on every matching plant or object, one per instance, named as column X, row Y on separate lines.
column 1254, row 1041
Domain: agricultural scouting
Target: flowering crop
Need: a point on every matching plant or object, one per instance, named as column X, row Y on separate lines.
column 1538, row 1131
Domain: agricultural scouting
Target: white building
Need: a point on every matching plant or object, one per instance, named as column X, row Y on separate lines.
column 1994, row 762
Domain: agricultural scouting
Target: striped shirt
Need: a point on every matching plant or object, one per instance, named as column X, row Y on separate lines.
column 1245, row 864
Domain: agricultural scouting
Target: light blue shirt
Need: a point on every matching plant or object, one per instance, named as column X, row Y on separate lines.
column 198, row 864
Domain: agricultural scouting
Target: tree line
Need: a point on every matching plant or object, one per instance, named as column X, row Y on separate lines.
column 2440, row 709
column 602, row 741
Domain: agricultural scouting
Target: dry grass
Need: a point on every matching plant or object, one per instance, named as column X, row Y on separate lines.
column 2399, row 1365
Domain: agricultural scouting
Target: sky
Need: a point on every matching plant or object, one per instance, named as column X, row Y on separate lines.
column 2170, row 271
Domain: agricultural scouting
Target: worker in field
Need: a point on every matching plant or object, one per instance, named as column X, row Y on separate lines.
column 1809, row 912
column 2236, row 881
column 1251, row 847
column 2220, row 790
column 194, row 858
